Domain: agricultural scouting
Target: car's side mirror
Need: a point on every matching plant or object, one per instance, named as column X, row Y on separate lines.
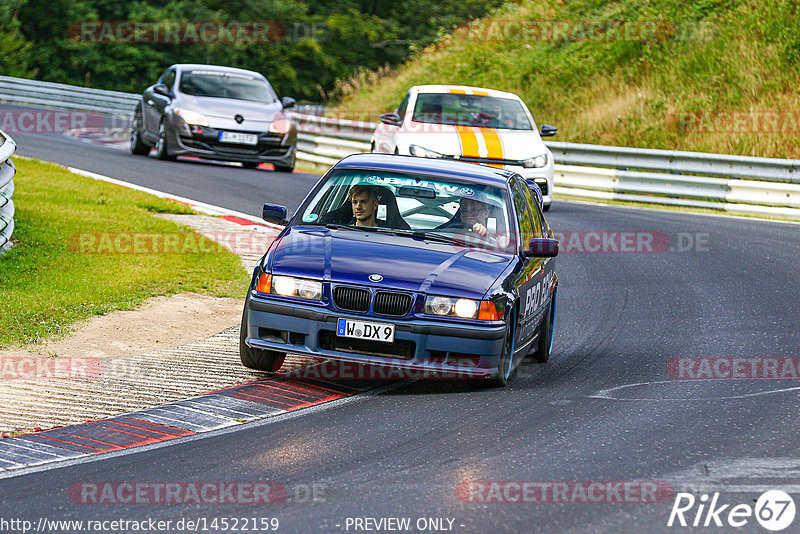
column 392, row 119
column 275, row 214
column 161, row 89
column 542, row 247
column 288, row 102
column 548, row 130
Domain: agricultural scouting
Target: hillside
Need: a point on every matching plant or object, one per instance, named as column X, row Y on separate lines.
column 708, row 75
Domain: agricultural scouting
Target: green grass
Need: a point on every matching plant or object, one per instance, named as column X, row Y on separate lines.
column 48, row 283
column 706, row 57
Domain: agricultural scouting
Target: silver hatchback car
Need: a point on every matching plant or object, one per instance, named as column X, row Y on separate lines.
column 213, row 112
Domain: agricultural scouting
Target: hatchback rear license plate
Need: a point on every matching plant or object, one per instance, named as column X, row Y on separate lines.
column 240, row 138
column 374, row 331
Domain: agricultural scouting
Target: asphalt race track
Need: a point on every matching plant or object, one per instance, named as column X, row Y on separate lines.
column 613, row 405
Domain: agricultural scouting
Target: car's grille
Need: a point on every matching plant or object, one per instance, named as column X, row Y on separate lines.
column 392, row 304
column 351, row 298
column 399, row 348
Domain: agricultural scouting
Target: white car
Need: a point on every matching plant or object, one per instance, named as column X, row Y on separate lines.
column 469, row 124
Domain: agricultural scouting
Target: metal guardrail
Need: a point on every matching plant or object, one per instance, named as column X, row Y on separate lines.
column 7, row 170
column 762, row 186
column 34, row 92
column 741, row 184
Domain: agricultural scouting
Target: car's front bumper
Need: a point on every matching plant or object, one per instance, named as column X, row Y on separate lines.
column 438, row 348
column 278, row 149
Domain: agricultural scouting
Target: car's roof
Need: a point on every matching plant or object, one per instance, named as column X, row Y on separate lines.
column 463, row 89
column 218, row 68
column 442, row 168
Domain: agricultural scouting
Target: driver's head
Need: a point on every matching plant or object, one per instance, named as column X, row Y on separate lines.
column 473, row 211
column 364, row 202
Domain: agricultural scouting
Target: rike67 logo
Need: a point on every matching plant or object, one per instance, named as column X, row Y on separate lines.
column 774, row 510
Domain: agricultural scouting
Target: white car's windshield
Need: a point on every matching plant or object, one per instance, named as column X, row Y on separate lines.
column 413, row 205
column 220, row 84
column 471, row 110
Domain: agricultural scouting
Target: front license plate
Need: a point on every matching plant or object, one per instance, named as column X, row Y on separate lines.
column 374, row 331
column 240, row 138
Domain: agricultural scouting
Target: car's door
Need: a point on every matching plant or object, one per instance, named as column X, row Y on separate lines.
column 529, row 280
column 386, row 140
column 153, row 103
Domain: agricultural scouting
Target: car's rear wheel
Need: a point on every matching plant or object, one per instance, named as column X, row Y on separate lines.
column 161, row 145
column 258, row 359
column 544, row 344
column 137, row 145
column 504, row 371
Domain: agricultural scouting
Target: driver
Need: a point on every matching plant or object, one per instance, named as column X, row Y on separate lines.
column 364, row 202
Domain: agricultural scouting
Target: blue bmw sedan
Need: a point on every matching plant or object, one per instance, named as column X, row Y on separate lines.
column 436, row 267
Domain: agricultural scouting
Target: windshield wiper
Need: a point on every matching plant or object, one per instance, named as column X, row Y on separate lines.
column 415, row 234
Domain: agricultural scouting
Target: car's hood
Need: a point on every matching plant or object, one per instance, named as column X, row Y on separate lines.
column 477, row 142
column 404, row 263
column 226, row 108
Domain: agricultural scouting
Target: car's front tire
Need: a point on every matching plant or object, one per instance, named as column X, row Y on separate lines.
column 503, row 366
column 546, row 207
column 250, row 164
column 162, row 152
column 258, row 359
column 138, row 146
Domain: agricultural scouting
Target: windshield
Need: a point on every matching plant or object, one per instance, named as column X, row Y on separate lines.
column 220, row 84
column 471, row 110
column 416, row 206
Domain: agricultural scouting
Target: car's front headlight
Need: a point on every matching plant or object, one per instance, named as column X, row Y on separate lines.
column 191, row 117
column 281, row 125
column 422, row 152
column 536, row 162
column 483, row 310
column 289, row 286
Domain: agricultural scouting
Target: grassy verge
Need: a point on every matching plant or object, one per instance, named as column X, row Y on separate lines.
column 74, row 254
column 709, row 75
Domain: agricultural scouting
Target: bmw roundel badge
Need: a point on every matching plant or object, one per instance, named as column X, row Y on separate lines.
column 375, row 277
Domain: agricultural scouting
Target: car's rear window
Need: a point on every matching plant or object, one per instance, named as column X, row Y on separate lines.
column 416, row 204
column 471, row 110
column 220, row 84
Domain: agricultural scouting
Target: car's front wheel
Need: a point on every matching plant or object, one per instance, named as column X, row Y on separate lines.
column 250, row 164
column 504, row 371
column 138, row 146
column 161, row 145
column 546, row 207
column 258, row 359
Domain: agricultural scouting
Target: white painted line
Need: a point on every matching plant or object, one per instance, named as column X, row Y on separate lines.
column 195, row 204
column 202, row 434
column 607, row 394
column 742, row 218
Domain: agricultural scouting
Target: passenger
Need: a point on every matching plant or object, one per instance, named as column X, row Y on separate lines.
column 473, row 215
